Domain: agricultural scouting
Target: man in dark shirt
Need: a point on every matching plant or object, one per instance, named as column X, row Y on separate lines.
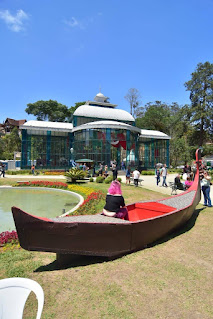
column 178, row 183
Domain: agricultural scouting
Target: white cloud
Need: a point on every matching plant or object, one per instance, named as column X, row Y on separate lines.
column 73, row 23
column 14, row 22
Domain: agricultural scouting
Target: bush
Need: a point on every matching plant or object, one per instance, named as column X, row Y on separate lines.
column 18, row 172
column 147, row 173
column 119, row 179
column 91, row 179
column 99, row 179
column 75, row 174
column 108, row 180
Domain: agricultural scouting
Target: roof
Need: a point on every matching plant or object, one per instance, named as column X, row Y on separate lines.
column 68, row 127
column 106, row 124
column 14, row 122
column 48, row 126
column 103, row 113
column 154, row 134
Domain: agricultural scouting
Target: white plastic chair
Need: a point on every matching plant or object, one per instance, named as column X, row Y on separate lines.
column 13, row 296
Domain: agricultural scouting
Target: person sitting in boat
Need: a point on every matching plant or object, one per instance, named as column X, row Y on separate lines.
column 188, row 182
column 115, row 205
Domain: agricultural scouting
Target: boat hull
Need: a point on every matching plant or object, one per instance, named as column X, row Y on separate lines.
column 105, row 236
column 97, row 239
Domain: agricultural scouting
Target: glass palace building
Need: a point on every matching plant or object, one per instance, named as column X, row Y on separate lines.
column 100, row 133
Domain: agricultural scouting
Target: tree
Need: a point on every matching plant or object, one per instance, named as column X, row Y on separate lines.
column 133, row 97
column 156, row 117
column 73, row 108
column 201, row 96
column 2, row 147
column 48, row 111
column 10, row 143
column 179, row 151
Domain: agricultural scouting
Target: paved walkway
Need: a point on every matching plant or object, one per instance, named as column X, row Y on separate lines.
column 149, row 182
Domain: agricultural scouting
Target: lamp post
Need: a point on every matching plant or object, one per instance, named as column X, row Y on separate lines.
column 71, row 157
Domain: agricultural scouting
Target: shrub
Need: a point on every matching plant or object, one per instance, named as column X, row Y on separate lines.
column 91, row 179
column 119, row 179
column 99, row 179
column 18, row 172
column 147, row 173
column 108, row 180
column 75, row 174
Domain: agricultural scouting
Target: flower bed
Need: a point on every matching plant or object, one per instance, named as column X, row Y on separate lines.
column 8, row 237
column 44, row 184
column 54, row 172
column 80, row 189
column 90, row 205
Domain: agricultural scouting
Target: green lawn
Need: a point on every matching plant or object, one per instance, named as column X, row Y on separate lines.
column 171, row 279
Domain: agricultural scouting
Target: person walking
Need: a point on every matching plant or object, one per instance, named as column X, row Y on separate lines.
column 205, row 184
column 2, row 170
column 33, row 169
column 157, row 174
column 136, row 175
column 128, row 174
column 164, row 174
column 114, row 171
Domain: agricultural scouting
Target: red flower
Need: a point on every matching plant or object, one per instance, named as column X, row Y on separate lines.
column 7, row 237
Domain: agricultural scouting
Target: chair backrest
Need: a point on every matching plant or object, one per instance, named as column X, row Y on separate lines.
column 13, row 296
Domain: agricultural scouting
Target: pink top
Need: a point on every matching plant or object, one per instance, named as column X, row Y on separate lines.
column 188, row 183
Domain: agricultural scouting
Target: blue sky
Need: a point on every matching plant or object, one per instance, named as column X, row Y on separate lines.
column 65, row 50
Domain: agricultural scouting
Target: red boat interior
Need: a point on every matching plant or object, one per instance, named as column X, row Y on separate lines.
column 140, row 211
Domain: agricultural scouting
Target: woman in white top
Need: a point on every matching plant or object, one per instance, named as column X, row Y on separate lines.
column 205, row 184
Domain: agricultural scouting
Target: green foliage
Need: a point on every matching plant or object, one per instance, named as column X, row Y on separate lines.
column 19, row 172
column 147, row 173
column 99, row 179
column 201, row 96
column 73, row 108
column 48, row 111
column 9, row 144
column 91, row 179
column 75, row 174
column 108, row 180
column 156, row 117
column 119, row 179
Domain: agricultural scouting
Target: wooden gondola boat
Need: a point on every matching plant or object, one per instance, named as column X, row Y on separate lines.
column 98, row 235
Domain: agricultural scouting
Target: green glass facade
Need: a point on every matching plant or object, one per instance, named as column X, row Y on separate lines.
column 45, row 150
column 153, row 151
column 49, row 149
column 105, row 145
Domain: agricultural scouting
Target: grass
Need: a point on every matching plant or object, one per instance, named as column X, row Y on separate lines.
column 170, row 279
